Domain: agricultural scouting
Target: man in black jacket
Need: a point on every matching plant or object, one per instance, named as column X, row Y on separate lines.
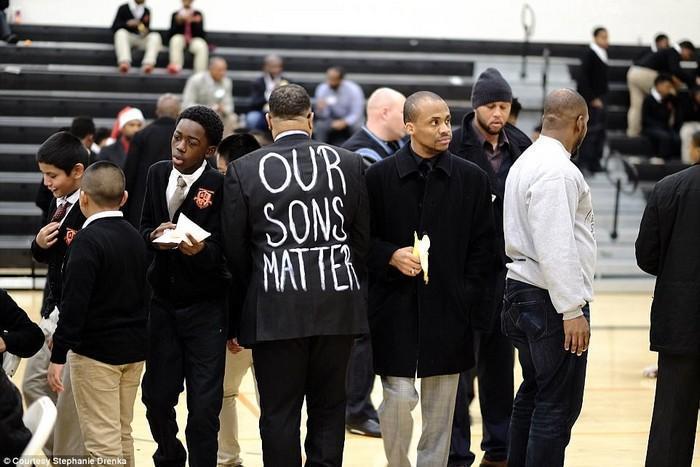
column 148, row 146
column 667, row 247
column 641, row 75
column 296, row 232
column 592, row 84
column 421, row 320
column 485, row 139
column 659, row 118
column 187, row 321
column 131, row 28
column 260, row 91
column 102, row 330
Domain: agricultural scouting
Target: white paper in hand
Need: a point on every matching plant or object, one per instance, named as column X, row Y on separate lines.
column 179, row 233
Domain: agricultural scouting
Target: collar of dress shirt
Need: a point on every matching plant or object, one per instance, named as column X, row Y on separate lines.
column 291, row 132
column 102, row 215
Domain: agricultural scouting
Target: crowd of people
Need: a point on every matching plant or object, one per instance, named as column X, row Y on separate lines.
column 309, row 273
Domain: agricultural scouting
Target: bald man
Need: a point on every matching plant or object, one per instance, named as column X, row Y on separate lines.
column 212, row 88
column 383, row 133
column 420, row 321
column 549, row 235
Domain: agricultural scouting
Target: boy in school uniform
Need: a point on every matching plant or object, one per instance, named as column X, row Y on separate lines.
column 102, row 330
column 188, row 324
column 62, row 159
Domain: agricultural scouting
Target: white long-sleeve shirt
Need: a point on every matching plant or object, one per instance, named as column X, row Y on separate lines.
column 549, row 226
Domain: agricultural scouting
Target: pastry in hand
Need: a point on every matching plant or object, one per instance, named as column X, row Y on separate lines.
column 420, row 251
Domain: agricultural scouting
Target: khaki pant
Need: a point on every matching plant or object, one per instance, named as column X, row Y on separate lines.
column 687, row 131
column 198, row 47
column 437, row 401
column 640, row 80
column 236, row 367
column 67, row 439
column 125, row 40
column 104, row 397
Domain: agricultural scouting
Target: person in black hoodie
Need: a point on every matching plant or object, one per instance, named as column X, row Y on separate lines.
column 659, row 118
column 187, row 32
column 102, row 330
column 23, row 338
column 131, row 28
column 592, row 84
column 188, row 322
column 485, row 139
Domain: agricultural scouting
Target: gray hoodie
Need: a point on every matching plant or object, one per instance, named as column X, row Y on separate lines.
column 549, row 226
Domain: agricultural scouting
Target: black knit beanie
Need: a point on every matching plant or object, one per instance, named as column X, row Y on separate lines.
column 490, row 87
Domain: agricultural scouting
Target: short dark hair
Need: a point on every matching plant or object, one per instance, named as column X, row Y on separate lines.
column 289, row 101
column 62, row 150
column 515, row 107
column 598, row 30
column 82, row 126
column 210, row 121
column 237, row 145
column 662, row 78
column 687, row 45
column 338, row 69
column 410, row 107
column 102, row 134
column 104, row 182
column 660, row 37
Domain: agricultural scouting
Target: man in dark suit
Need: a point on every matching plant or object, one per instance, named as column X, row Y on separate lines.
column 485, row 139
column 668, row 247
column 659, row 118
column 420, row 320
column 261, row 89
column 296, row 230
column 592, row 84
column 150, row 145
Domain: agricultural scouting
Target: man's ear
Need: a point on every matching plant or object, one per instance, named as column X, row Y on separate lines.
column 83, row 200
column 211, row 150
column 310, row 119
column 268, row 119
column 77, row 171
column 125, row 196
column 410, row 128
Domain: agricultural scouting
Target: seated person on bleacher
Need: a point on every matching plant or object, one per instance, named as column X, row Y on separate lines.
column 261, row 89
column 339, row 108
column 213, row 89
column 22, row 337
column 131, row 29
column 187, row 31
column 659, row 118
column 689, row 110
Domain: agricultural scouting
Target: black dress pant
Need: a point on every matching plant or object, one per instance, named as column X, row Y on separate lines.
column 591, row 151
column 675, row 418
column 186, row 345
column 360, row 382
column 286, row 372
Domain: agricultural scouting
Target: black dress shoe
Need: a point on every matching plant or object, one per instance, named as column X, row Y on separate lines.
column 365, row 428
column 11, row 39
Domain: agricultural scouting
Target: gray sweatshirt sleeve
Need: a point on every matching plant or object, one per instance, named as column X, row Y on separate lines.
column 551, row 216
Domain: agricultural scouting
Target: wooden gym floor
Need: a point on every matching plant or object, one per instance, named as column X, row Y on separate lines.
column 612, row 429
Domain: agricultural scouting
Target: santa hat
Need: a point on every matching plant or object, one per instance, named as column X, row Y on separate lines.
column 125, row 115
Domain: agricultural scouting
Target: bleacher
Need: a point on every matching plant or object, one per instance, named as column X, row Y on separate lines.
column 72, row 71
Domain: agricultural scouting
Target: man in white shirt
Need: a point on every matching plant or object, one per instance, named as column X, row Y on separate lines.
column 549, row 235
column 213, row 89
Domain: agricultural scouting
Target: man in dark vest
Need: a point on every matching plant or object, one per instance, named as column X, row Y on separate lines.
column 378, row 139
column 485, row 139
column 296, row 229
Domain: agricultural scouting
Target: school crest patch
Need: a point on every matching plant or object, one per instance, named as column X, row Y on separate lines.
column 70, row 235
column 203, row 198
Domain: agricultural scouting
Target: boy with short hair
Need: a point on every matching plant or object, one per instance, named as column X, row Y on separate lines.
column 102, row 330
column 187, row 322
column 62, row 159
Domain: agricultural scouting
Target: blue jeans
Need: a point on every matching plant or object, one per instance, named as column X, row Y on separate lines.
column 550, row 398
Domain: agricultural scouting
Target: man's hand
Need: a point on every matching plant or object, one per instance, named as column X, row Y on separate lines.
column 577, row 335
column 405, row 262
column 133, row 23
column 597, row 103
column 339, row 124
column 48, row 235
column 191, row 247
column 54, row 375
column 233, row 346
column 158, row 232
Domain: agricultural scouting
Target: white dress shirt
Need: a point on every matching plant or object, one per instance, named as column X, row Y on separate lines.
column 102, row 215
column 189, row 180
